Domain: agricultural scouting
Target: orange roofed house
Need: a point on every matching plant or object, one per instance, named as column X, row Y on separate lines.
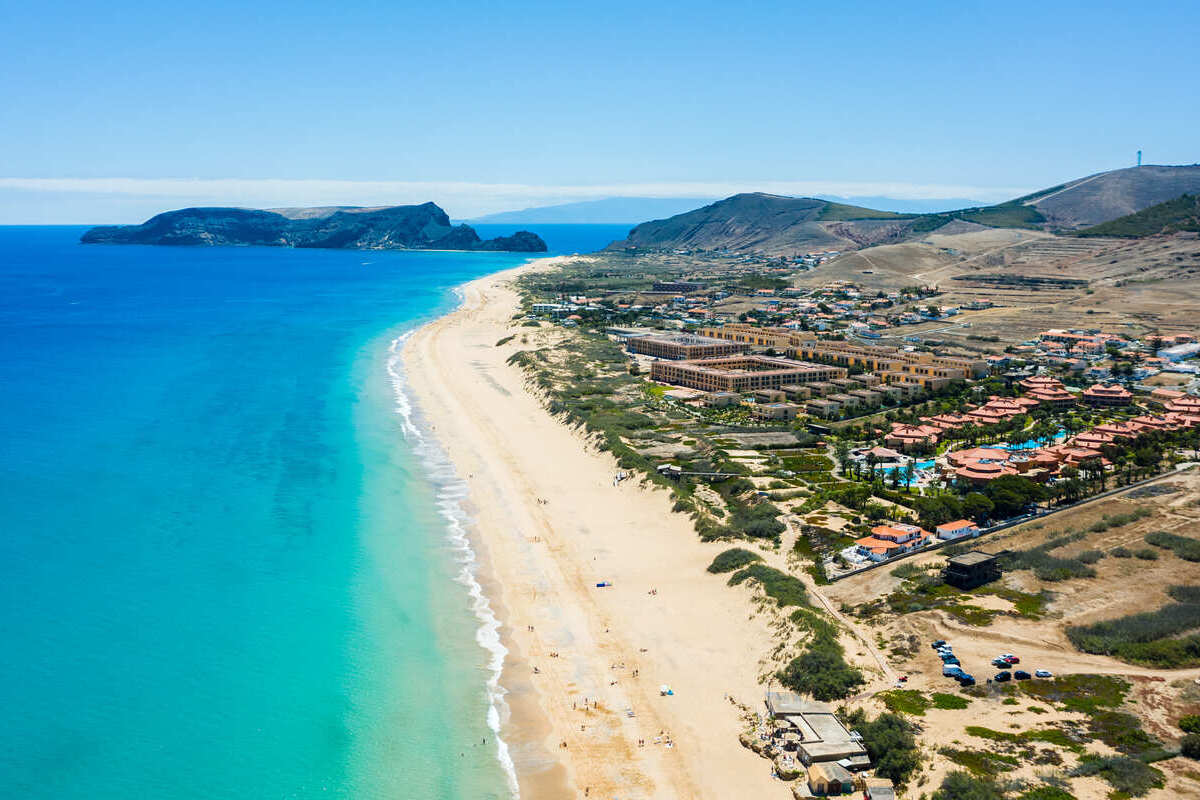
column 889, row 541
column 959, row 529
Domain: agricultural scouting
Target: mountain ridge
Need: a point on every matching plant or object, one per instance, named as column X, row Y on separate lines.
column 775, row 224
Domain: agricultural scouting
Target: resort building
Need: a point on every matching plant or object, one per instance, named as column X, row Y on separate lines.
column 1110, row 395
column 980, row 472
column 796, row 392
column 774, row 411
column 826, row 409
column 1047, row 391
column 779, row 338
column 892, row 364
column 905, row 437
column 743, row 373
column 770, row 396
column 722, row 399
column 868, row 397
column 845, row 400
column 1184, row 404
column 961, row 458
column 680, row 346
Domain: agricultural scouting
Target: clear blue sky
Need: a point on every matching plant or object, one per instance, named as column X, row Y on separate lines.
column 924, row 95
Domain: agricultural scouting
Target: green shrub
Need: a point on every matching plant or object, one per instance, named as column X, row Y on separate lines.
column 731, row 559
column 1190, row 746
column 890, row 743
column 1128, row 775
column 821, row 671
column 785, row 589
column 1148, row 637
column 1046, row 793
column 965, row 786
column 1190, row 723
column 1185, row 547
column 1145, row 554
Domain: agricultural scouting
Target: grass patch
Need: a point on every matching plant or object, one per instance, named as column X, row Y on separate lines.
column 1081, row 692
column 905, row 701
column 1052, row 736
column 979, row 763
column 949, row 702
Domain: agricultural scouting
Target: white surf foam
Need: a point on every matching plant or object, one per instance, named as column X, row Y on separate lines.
column 450, row 492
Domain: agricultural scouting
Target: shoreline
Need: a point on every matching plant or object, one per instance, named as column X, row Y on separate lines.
column 546, row 522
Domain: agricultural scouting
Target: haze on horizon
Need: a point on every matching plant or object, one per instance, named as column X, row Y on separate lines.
column 112, row 113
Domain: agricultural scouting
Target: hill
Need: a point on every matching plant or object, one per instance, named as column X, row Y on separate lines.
column 1180, row 214
column 783, row 225
column 1105, row 196
column 607, row 211
column 419, row 227
column 769, row 223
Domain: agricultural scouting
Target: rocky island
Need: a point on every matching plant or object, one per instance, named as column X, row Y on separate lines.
column 418, row 227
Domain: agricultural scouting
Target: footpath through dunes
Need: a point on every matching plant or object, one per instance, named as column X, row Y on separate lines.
column 587, row 662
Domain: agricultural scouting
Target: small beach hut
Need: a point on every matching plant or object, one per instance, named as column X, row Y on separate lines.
column 828, row 778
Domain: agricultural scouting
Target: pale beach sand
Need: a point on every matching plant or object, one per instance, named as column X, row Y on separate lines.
column 542, row 561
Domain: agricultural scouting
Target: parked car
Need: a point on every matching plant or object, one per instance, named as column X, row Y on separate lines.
column 1012, row 659
column 999, row 662
column 951, row 670
column 1001, row 677
column 1021, row 675
column 1044, row 673
column 939, row 643
column 966, row 680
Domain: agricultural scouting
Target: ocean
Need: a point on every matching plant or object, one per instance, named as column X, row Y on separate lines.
column 232, row 565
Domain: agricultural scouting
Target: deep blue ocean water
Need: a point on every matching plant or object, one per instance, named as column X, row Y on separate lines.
column 225, row 569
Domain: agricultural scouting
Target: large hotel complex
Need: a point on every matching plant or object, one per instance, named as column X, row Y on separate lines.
column 741, row 373
column 893, row 365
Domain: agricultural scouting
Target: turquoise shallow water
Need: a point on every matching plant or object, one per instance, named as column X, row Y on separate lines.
column 225, row 569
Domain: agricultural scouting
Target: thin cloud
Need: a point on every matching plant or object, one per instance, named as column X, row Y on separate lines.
column 462, row 199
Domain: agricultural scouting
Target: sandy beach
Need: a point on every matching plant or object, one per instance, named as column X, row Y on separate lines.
column 586, row 663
